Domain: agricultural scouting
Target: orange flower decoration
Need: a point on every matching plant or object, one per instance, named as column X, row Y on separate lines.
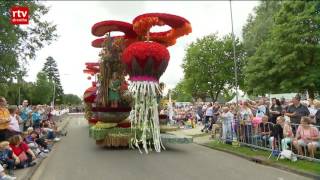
column 180, row 27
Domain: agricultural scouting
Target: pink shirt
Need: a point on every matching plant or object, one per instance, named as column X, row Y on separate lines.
column 307, row 133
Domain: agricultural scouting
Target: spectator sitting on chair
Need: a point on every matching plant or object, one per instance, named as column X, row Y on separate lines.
column 307, row 136
column 264, row 130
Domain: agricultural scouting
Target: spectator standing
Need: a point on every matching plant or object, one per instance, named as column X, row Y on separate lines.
column 275, row 110
column 14, row 121
column 36, row 118
column 246, row 118
column 296, row 111
column 208, row 117
column 4, row 119
column 25, row 115
column 317, row 115
column 226, row 118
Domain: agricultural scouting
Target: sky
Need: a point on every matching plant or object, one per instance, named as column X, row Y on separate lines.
column 75, row 19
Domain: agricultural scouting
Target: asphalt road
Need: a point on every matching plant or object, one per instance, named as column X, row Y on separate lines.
column 77, row 157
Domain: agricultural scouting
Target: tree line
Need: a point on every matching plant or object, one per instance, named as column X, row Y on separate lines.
column 18, row 46
column 279, row 53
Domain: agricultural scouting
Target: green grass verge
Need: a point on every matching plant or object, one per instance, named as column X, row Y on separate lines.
column 302, row 165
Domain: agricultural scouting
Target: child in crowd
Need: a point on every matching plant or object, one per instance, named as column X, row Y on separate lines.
column 7, row 157
column 22, row 151
column 36, row 143
column 264, row 131
column 287, row 134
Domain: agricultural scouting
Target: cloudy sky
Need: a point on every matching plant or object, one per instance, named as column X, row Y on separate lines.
column 75, row 19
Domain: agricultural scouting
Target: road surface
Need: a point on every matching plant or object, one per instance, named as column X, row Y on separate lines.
column 77, row 157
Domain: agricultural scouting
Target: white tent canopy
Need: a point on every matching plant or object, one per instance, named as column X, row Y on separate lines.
column 240, row 98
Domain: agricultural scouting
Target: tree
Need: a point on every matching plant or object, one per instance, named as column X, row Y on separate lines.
column 42, row 91
column 258, row 27
column 209, row 66
column 51, row 70
column 289, row 60
column 18, row 44
column 71, row 99
column 180, row 94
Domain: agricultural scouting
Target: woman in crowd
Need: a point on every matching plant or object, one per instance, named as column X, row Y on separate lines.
column 14, row 121
column 4, row 120
column 246, row 117
column 317, row 114
column 22, row 150
column 208, row 118
column 227, row 119
column 307, row 136
column 275, row 110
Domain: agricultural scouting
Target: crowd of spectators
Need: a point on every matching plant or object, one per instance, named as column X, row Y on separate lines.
column 26, row 133
column 280, row 124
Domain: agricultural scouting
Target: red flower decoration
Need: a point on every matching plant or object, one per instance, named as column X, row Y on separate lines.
column 103, row 27
column 146, row 59
column 90, row 94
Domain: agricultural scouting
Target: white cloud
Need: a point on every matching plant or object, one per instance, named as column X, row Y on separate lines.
column 75, row 19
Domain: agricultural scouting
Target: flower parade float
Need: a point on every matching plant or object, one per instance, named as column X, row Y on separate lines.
column 123, row 102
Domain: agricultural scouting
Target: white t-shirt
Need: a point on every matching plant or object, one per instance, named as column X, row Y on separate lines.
column 209, row 111
column 227, row 118
column 14, row 123
column 261, row 111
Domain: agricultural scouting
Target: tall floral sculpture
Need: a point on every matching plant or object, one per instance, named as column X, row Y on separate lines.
column 142, row 55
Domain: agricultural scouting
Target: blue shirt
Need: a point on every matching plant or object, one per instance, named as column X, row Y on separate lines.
column 4, row 154
column 36, row 117
column 24, row 114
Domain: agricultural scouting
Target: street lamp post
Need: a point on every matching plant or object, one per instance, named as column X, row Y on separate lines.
column 234, row 55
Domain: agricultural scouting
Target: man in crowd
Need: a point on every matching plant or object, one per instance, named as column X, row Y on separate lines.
column 4, row 119
column 25, row 114
column 296, row 111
